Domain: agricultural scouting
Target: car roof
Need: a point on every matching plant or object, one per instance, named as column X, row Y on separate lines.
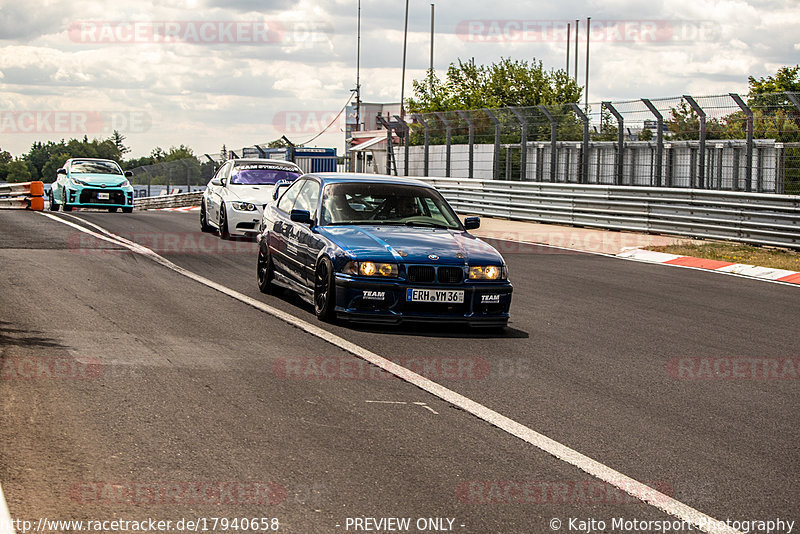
column 345, row 177
column 91, row 159
column 264, row 160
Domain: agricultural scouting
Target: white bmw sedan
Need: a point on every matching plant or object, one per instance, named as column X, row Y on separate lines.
column 235, row 198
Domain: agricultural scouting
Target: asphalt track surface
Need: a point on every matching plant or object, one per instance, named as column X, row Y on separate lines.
column 189, row 388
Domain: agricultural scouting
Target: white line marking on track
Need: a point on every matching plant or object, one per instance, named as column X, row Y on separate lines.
column 5, row 517
column 630, row 486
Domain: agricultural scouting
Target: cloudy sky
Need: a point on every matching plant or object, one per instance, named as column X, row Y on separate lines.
column 207, row 72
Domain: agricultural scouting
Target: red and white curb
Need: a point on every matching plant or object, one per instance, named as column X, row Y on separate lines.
column 184, row 209
column 754, row 271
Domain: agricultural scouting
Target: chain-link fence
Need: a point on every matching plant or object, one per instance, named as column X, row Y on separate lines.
column 179, row 176
column 723, row 142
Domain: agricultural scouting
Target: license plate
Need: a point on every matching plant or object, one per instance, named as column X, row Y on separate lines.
column 435, row 295
column 103, row 196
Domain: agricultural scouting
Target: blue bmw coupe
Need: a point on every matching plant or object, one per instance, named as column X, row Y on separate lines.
column 380, row 249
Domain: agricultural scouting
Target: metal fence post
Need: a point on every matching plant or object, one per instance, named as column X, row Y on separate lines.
column 553, row 142
column 471, row 125
column 496, row 163
column 583, row 176
column 701, row 165
column 406, row 138
column 620, row 142
column 749, row 154
column 147, row 173
column 448, row 132
column 426, row 138
column 659, row 139
column 523, row 142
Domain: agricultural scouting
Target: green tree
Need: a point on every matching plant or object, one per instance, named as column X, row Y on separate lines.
column 503, row 84
column 55, row 162
column 507, row 83
column 278, row 143
column 119, row 141
column 180, row 152
column 5, row 159
column 18, row 171
column 762, row 90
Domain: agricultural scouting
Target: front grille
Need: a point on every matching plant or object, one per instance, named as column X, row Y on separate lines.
column 89, row 196
column 450, row 275
column 421, row 274
column 428, row 274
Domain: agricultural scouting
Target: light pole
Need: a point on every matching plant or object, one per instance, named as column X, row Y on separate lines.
column 586, row 89
column 403, row 79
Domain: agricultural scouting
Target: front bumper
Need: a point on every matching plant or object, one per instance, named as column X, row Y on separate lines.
column 95, row 197
column 384, row 301
column 244, row 222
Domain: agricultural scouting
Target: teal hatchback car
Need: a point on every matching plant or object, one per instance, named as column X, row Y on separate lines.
column 91, row 183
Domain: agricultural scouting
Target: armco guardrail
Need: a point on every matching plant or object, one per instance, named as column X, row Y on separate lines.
column 764, row 219
column 22, row 196
column 168, row 201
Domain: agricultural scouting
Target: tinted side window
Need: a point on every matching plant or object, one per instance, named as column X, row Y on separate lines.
column 308, row 197
column 222, row 171
column 287, row 199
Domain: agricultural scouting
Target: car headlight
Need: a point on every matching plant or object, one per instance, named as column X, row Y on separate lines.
column 126, row 183
column 488, row 272
column 243, row 206
column 370, row 268
column 79, row 182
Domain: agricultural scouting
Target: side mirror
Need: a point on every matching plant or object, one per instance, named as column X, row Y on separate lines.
column 276, row 191
column 128, row 174
column 300, row 216
column 471, row 223
column 62, row 170
column 215, row 181
column 223, row 181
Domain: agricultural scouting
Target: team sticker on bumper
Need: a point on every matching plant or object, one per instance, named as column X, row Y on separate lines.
column 425, row 295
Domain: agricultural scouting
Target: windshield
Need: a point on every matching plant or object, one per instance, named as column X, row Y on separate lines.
column 378, row 203
column 94, row 167
column 262, row 174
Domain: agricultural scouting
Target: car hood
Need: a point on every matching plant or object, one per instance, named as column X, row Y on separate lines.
column 99, row 179
column 257, row 194
column 411, row 244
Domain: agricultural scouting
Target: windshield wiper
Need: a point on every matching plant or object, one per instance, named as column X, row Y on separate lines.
column 428, row 225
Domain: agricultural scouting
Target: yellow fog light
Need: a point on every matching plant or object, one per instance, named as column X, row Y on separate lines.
column 486, row 272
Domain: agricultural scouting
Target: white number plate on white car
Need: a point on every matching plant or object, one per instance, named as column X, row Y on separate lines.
column 102, row 196
column 435, row 295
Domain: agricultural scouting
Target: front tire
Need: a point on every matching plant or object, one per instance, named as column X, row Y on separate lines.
column 112, row 210
column 265, row 270
column 223, row 223
column 53, row 206
column 324, row 290
column 127, row 209
column 204, row 226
